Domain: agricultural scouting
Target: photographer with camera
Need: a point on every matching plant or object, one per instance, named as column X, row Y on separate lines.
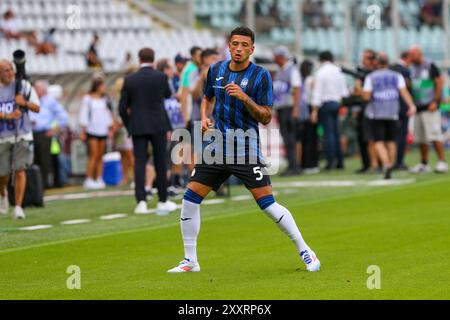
column 17, row 98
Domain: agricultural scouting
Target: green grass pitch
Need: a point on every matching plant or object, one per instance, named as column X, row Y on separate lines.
column 404, row 230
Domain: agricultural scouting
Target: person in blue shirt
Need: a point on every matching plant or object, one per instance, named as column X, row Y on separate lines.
column 242, row 95
column 44, row 129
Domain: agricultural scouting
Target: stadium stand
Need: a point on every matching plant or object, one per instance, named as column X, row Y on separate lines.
column 121, row 29
column 324, row 23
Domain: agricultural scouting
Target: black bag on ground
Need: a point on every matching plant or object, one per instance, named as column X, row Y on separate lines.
column 34, row 190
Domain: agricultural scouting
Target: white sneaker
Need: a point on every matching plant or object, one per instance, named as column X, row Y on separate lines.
column 4, row 204
column 185, row 266
column 18, row 213
column 421, row 168
column 100, row 184
column 165, row 208
column 141, row 208
column 441, row 167
column 310, row 259
column 90, row 184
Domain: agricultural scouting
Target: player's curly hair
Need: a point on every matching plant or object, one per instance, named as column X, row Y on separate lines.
column 243, row 31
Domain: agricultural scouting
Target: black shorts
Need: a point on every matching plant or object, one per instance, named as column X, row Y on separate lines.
column 383, row 130
column 253, row 175
column 96, row 137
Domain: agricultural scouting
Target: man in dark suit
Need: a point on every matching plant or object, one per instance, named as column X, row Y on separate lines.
column 402, row 67
column 142, row 111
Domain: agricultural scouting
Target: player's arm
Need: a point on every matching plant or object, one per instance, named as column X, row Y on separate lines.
column 207, row 102
column 205, row 111
column 260, row 112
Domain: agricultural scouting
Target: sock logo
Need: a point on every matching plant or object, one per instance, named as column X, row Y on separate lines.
column 280, row 219
column 186, row 219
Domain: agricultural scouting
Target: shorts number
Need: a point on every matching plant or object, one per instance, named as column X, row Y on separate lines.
column 257, row 170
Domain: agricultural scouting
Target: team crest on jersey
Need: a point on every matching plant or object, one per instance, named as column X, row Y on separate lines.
column 244, row 83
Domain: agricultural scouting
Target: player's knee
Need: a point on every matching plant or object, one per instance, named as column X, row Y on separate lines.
column 266, row 202
column 193, row 197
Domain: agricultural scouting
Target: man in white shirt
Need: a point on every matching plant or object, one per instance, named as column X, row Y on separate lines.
column 286, row 95
column 329, row 88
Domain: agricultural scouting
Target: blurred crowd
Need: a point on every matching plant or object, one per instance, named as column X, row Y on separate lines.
column 319, row 115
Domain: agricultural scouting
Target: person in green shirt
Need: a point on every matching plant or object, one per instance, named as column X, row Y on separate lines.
column 427, row 84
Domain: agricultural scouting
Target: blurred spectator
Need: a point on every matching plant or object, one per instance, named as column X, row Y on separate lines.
column 427, row 84
column 123, row 142
column 306, row 131
column 46, row 127
column 266, row 17
column 128, row 63
column 186, row 80
column 173, row 110
column 48, row 44
column 96, row 123
column 286, row 94
column 383, row 88
column 8, row 25
column 368, row 157
column 431, row 13
column 180, row 63
column 314, row 14
column 329, row 89
column 402, row 66
column 92, row 57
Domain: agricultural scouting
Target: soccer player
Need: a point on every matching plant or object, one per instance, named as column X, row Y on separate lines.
column 242, row 95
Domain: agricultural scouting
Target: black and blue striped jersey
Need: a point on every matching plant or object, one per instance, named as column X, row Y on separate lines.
column 230, row 114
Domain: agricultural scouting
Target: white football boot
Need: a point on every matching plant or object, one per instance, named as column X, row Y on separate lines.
column 310, row 259
column 185, row 266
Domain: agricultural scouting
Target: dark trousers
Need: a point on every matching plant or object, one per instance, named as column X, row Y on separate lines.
column 328, row 117
column 140, row 149
column 42, row 156
column 362, row 139
column 401, row 140
column 308, row 139
column 287, row 128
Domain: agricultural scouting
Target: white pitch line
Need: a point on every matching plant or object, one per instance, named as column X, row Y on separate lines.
column 343, row 183
column 76, row 221
column 150, row 211
column 213, row 201
column 242, row 198
column 114, row 216
column 394, row 182
column 86, row 195
column 37, row 227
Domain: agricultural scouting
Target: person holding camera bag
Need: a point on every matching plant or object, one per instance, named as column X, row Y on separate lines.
column 16, row 135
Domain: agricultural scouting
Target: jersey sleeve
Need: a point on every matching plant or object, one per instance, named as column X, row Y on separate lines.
column 209, row 90
column 265, row 90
